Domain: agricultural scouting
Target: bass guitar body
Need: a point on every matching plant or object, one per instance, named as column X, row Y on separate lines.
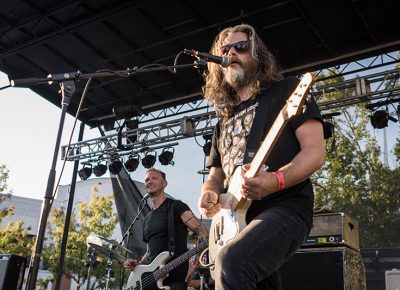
column 142, row 274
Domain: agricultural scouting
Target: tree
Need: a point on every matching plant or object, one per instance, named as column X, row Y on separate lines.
column 14, row 238
column 354, row 180
column 5, row 193
column 93, row 217
column 396, row 150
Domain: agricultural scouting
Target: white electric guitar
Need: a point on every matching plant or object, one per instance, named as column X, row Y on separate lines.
column 231, row 219
column 146, row 275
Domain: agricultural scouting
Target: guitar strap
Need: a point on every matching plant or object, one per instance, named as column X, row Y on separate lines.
column 258, row 127
column 171, row 228
column 274, row 96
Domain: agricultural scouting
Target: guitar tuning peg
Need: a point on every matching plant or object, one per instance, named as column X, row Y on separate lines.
column 304, row 108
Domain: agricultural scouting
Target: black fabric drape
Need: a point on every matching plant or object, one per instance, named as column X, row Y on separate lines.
column 128, row 194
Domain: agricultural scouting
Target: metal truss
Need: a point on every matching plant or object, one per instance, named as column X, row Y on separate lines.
column 377, row 62
column 365, row 89
column 358, row 90
column 145, row 139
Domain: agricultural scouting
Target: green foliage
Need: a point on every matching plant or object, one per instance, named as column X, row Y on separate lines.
column 396, row 150
column 354, row 180
column 4, row 191
column 93, row 217
column 14, row 237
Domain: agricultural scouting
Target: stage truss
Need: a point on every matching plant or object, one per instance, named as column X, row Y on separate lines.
column 164, row 128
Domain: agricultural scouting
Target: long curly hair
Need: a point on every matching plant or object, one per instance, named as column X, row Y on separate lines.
column 220, row 95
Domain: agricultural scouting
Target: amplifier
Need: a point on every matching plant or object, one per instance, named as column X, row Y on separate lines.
column 392, row 279
column 12, row 270
column 325, row 268
column 333, row 229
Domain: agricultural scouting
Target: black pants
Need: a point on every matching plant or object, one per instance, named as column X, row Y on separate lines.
column 250, row 261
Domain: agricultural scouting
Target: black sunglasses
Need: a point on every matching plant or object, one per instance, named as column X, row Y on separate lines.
column 240, row 46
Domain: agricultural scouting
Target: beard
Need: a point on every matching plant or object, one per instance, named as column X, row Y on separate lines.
column 239, row 76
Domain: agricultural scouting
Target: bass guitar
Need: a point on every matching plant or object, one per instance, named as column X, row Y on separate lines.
column 231, row 219
column 145, row 275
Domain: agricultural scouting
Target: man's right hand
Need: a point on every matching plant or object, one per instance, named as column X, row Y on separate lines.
column 208, row 204
column 130, row 264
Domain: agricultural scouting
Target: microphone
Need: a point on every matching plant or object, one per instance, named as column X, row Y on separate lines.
column 223, row 61
column 146, row 197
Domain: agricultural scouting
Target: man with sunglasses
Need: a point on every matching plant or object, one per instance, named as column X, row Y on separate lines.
column 247, row 97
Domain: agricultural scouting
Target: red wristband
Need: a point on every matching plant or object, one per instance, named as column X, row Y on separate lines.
column 281, row 179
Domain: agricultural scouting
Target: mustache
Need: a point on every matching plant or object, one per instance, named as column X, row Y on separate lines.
column 236, row 60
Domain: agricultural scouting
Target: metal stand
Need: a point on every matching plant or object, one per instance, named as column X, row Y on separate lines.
column 67, row 221
column 128, row 232
column 92, row 262
column 108, row 276
column 67, row 90
column 141, row 206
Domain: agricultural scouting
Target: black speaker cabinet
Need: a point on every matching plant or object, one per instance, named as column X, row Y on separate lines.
column 12, row 270
column 333, row 268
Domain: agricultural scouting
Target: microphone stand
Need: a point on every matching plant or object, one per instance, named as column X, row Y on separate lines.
column 67, row 90
column 91, row 262
column 108, row 276
column 128, row 232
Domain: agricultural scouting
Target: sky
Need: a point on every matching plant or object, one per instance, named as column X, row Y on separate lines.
column 29, row 125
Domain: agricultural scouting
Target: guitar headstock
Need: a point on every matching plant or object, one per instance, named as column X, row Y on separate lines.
column 294, row 104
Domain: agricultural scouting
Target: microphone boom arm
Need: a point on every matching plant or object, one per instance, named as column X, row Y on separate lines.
column 78, row 75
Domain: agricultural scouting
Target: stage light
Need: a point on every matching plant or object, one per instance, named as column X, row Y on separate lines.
column 148, row 160
column 379, row 119
column 329, row 129
column 100, row 169
column 115, row 166
column 132, row 163
column 85, row 172
column 166, row 156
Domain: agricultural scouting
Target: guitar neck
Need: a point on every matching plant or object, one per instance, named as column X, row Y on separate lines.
column 267, row 145
column 293, row 107
column 175, row 263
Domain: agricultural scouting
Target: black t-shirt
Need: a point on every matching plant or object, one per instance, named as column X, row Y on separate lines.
column 155, row 234
column 230, row 141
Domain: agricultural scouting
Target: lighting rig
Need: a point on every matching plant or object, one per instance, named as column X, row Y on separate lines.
column 140, row 139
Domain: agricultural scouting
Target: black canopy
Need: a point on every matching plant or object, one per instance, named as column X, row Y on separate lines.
column 47, row 36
